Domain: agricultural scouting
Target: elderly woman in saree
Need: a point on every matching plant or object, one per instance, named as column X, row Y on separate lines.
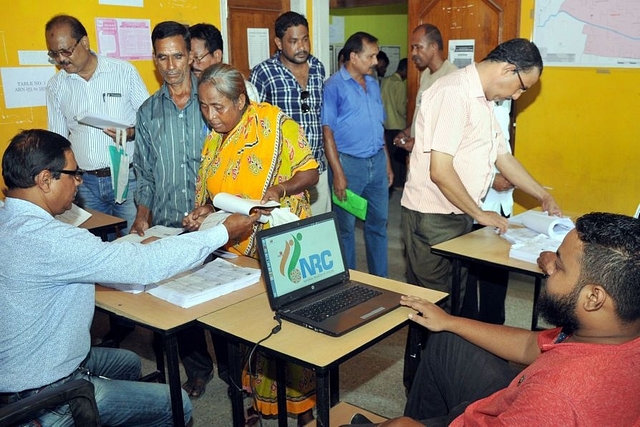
column 255, row 151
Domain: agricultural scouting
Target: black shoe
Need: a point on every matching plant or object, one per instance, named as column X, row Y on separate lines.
column 358, row 418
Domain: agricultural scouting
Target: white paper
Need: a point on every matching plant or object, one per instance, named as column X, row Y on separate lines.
column 74, row 216
column 159, row 231
column 217, row 278
column 230, row 203
column 530, row 251
column 258, row 45
column 133, row 3
column 461, row 52
column 33, row 57
column 552, row 226
column 539, row 232
column 214, row 219
column 26, row 86
column 102, row 122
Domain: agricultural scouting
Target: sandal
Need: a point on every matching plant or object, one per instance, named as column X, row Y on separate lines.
column 251, row 417
column 195, row 387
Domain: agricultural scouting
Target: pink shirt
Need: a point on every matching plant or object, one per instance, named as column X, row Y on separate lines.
column 455, row 118
column 569, row 384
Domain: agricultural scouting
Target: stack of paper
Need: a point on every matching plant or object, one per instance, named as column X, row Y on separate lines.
column 540, row 232
column 214, row 279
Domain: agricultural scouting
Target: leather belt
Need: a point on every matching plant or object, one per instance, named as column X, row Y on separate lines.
column 104, row 172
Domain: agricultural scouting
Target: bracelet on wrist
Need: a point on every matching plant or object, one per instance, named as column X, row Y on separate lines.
column 284, row 191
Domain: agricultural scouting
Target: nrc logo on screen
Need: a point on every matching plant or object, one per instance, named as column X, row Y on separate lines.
column 316, row 263
column 296, row 267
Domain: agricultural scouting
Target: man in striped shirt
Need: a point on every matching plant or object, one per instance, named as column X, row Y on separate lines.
column 458, row 140
column 89, row 83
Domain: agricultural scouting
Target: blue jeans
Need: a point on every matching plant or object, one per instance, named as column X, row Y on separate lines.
column 367, row 178
column 97, row 193
column 121, row 399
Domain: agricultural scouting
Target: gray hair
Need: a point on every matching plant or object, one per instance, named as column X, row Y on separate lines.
column 227, row 80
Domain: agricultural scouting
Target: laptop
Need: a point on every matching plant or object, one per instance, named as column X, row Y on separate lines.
column 304, row 268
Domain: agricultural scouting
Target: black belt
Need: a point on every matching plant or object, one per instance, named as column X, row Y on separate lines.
column 104, row 172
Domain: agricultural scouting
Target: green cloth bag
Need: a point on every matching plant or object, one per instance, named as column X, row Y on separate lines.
column 354, row 204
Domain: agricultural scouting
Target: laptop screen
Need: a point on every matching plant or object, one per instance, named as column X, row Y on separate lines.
column 301, row 258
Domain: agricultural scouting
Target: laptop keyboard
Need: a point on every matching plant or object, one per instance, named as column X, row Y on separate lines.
column 334, row 304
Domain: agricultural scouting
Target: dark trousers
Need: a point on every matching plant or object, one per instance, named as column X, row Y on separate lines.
column 194, row 353
column 398, row 158
column 452, row 374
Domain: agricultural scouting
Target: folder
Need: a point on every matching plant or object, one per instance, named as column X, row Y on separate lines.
column 354, row 204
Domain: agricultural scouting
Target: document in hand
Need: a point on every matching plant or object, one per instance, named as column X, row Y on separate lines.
column 204, row 283
column 102, row 122
column 540, row 232
column 234, row 204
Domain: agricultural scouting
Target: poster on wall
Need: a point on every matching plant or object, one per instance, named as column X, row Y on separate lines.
column 461, row 52
column 25, row 86
column 588, row 33
column 128, row 39
column 258, row 45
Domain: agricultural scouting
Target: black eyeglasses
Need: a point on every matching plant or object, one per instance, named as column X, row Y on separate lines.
column 304, row 95
column 53, row 54
column 198, row 60
column 523, row 88
column 78, row 174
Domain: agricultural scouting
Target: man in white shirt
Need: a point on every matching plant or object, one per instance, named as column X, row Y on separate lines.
column 107, row 87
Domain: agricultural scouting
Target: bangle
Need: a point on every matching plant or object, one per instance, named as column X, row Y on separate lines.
column 284, row 194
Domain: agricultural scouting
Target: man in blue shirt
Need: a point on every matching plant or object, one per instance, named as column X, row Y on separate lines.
column 352, row 120
column 293, row 80
column 48, row 294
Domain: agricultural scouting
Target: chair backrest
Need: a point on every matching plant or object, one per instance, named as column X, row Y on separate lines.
column 79, row 394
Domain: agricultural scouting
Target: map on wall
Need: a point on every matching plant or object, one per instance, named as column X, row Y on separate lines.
column 588, row 33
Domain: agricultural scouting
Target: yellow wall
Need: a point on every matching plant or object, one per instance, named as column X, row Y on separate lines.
column 387, row 23
column 23, row 29
column 578, row 132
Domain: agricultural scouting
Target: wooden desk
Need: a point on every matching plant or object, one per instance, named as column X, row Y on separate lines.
column 484, row 246
column 102, row 224
column 251, row 320
column 167, row 319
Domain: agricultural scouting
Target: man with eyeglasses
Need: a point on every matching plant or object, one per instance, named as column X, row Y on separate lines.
column 90, row 83
column 47, row 301
column 458, row 140
column 293, row 79
column 207, row 48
